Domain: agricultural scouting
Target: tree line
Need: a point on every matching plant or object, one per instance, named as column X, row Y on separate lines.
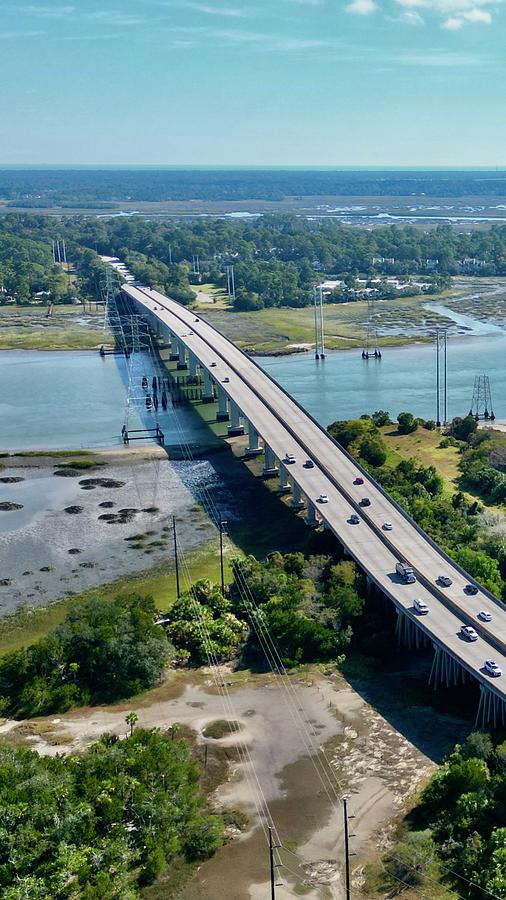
column 276, row 259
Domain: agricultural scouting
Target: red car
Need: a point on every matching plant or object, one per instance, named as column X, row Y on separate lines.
column 358, row 480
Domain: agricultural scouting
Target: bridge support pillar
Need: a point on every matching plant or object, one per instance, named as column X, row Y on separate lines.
column 284, row 484
column 182, row 364
column 253, row 448
column 270, row 467
column 311, row 517
column 222, row 415
column 297, row 501
column 208, row 392
column 192, row 365
column 174, row 349
column 491, row 709
column 445, row 670
column 235, row 426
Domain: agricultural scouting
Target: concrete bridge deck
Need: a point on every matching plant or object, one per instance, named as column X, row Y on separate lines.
column 248, row 395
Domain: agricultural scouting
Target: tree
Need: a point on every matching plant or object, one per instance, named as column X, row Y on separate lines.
column 131, row 718
column 406, row 423
column 381, row 418
column 463, row 429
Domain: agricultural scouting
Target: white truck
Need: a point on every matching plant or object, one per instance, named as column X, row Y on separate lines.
column 406, row 572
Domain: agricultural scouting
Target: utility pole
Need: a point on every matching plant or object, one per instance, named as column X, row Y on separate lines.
column 316, row 341
column 170, row 254
column 346, row 850
column 176, row 556
column 322, row 354
column 438, row 417
column 446, row 373
column 222, row 569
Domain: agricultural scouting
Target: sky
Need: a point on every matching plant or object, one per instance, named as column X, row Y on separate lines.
column 264, row 82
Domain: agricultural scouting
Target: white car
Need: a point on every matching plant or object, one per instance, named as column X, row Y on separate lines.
column 444, row 580
column 491, row 668
column 323, row 498
column 469, row 633
column 387, row 526
column 420, row 606
column 485, row 616
column 289, row 459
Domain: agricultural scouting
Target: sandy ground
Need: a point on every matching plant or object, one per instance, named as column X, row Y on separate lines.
column 310, row 742
column 35, row 564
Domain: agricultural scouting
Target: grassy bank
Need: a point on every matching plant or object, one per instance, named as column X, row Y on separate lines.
column 68, row 328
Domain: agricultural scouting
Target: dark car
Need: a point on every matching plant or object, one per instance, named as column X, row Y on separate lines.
column 358, row 480
column 471, row 589
column 365, row 501
column 309, row 464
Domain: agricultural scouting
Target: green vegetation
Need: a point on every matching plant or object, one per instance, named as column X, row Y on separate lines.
column 102, row 824
column 221, row 728
column 306, row 604
column 458, row 829
column 100, row 653
column 453, row 521
column 202, row 625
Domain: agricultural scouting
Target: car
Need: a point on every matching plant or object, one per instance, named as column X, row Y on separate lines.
column 387, row 526
column 469, row 633
column 323, row 498
column 491, row 668
column 354, row 519
column 484, row 615
column 420, row 606
column 289, row 459
column 444, row 580
column 197, row 320
column 471, row 589
column 358, row 480
column 226, row 379
column 213, row 365
column 309, row 464
column 365, row 501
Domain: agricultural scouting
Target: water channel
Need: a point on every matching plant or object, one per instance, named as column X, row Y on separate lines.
column 76, row 399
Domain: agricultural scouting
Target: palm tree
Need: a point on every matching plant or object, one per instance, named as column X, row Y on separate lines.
column 131, row 718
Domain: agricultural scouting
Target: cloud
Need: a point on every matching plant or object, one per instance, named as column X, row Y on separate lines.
column 361, row 7
column 439, row 59
column 49, row 12
column 411, row 17
column 116, row 17
column 12, row 35
column 455, row 13
column 227, row 11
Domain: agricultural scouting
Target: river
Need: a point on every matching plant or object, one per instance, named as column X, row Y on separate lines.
column 345, row 386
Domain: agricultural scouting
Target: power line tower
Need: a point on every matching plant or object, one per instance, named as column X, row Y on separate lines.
column 481, row 404
column 319, row 329
column 230, row 283
column 371, row 347
column 441, row 376
column 196, row 264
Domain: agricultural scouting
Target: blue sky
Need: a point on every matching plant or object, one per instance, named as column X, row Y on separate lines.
column 226, row 82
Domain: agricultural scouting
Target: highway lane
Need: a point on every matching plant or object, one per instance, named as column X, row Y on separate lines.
column 252, row 390
column 410, row 543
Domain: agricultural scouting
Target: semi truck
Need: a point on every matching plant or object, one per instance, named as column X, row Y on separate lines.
column 406, row 572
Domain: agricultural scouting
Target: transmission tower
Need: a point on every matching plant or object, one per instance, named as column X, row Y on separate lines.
column 371, row 347
column 481, row 404
column 230, row 283
column 441, row 376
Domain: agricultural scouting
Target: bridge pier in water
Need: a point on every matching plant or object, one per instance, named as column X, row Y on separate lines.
column 235, row 428
column 174, row 348
column 222, row 415
column 208, row 392
column 253, row 448
column 270, row 468
column 192, row 365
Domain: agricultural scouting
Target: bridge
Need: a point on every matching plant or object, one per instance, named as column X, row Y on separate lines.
column 280, row 429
